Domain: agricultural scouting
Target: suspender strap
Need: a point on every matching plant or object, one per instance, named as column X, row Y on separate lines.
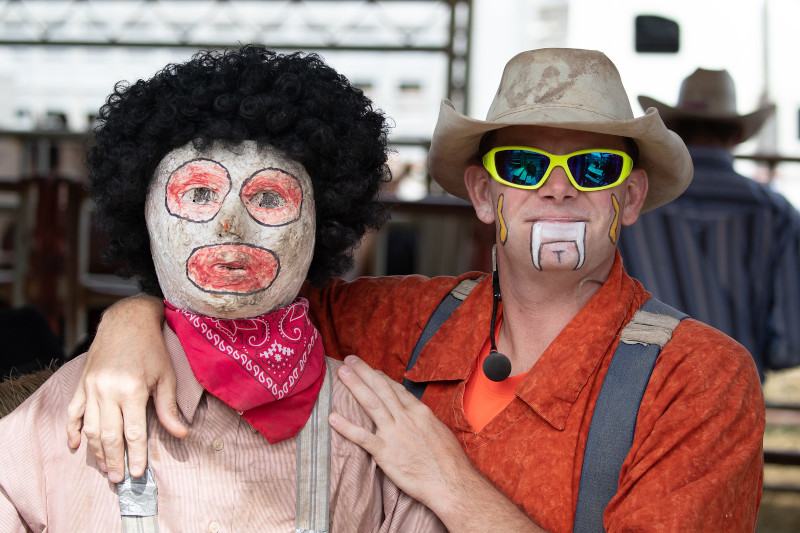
column 314, row 466
column 138, row 500
column 446, row 307
column 614, row 418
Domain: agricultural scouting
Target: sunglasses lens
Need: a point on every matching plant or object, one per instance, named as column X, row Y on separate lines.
column 521, row 167
column 595, row 169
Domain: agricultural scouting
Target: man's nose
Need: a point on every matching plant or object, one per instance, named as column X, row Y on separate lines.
column 557, row 185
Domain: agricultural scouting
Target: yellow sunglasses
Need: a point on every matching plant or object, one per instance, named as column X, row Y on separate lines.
column 528, row 168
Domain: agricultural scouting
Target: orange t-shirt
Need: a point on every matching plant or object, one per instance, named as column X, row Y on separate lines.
column 484, row 398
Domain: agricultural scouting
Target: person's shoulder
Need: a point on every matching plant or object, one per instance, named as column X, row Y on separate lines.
column 366, row 283
column 702, row 354
column 38, row 400
column 410, row 288
column 343, row 401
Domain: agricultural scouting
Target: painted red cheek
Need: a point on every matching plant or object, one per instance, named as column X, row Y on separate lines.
column 197, row 174
column 232, row 269
column 280, row 185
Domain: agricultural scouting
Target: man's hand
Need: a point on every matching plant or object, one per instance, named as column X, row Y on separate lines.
column 422, row 456
column 127, row 362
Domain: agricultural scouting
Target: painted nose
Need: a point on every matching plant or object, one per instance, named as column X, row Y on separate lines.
column 230, row 224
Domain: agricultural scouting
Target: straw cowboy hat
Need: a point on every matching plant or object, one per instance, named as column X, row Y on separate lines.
column 563, row 88
column 710, row 95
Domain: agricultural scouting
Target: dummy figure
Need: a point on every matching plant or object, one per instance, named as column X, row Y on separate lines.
column 224, row 183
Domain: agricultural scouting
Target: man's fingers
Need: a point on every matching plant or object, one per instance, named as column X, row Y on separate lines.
column 167, row 408
column 369, row 389
column 111, row 440
column 134, row 420
column 405, row 398
column 356, row 434
column 75, row 410
column 91, row 429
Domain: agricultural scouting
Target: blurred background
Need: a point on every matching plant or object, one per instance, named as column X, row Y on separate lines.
column 59, row 59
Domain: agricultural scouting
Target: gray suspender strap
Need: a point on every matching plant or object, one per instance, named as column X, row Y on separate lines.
column 314, row 466
column 614, row 418
column 446, row 307
column 138, row 500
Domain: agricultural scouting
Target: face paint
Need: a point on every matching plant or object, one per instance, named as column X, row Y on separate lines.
column 558, row 245
column 613, row 232
column 231, row 229
column 501, row 221
column 232, row 269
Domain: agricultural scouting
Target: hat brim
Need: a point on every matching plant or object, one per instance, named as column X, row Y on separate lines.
column 749, row 123
column 662, row 154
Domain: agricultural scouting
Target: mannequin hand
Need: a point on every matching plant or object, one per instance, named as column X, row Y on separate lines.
column 126, row 363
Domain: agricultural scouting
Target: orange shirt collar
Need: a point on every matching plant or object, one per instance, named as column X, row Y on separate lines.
column 552, row 386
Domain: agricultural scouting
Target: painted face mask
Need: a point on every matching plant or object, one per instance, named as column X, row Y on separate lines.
column 231, row 228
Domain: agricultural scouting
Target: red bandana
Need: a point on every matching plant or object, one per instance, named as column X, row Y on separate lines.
column 269, row 367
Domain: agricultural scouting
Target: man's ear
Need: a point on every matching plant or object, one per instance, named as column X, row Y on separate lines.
column 636, row 191
column 477, row 180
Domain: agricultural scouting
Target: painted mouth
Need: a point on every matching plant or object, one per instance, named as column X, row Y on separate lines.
column 548, row 234
column 232, row 268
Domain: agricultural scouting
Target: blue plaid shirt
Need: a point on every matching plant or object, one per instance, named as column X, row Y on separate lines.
column 727, row 252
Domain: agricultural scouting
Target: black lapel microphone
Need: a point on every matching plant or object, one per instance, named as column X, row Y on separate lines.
column 496, row 366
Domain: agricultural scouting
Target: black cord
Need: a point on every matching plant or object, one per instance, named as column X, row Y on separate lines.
column 496, row 366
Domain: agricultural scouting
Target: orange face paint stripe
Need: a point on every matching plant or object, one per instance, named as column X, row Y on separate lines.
column 613, row 232
column 503, row 228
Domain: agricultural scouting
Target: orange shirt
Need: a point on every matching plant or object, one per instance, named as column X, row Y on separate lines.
column 696, row 461
column 484, row 398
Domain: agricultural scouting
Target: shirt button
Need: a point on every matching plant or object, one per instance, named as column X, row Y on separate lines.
column 217, row 444
column 213, row 527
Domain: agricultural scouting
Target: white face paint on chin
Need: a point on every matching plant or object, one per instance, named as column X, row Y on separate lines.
column 558, row 245
column 231, row 229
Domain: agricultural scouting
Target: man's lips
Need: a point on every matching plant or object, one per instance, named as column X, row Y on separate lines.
column 232, row 268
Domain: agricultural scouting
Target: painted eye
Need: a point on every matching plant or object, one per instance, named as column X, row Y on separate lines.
column 201, row 195
column 196, row 189
column 268, row 200
column 273, row 197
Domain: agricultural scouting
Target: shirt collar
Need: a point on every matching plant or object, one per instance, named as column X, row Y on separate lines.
column 188, row 390
column 553, row 384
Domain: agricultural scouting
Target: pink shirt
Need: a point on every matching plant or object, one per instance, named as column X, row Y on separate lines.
column 223, row 477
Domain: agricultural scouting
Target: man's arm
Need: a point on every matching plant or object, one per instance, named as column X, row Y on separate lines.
column 696, row 463
column 423, row 457
column 127, row 363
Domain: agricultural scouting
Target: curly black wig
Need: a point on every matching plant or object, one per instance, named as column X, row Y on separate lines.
column 293, row 102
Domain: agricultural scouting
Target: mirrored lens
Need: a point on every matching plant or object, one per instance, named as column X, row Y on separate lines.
column 595, row 169
column 521, row 167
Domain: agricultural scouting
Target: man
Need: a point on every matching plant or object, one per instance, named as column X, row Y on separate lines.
column 558, row 167
column 727, row 251
column 213, row 197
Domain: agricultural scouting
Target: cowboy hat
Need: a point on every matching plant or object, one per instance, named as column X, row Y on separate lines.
column 710, row 95
column 562, row 88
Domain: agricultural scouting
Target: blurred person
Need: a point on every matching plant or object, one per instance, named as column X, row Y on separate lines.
column 727, row 251
column 501, row 442
column 224, row 183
